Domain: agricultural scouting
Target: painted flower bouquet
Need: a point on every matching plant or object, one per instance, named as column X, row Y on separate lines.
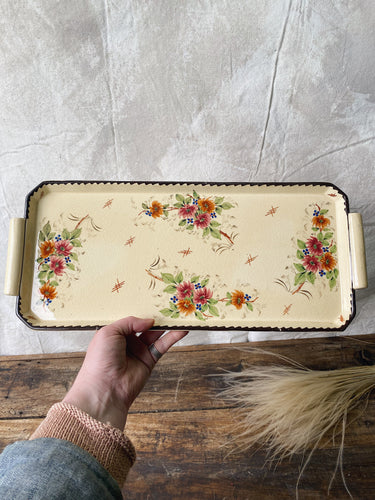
column 317, row 254
column 193, row 296
column 55, row 256
column 195, row 212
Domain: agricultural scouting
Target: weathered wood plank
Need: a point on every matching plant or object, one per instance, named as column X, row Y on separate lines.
column 28, row 387
column 180, row 455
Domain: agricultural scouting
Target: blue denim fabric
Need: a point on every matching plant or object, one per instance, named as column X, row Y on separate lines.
column 53, row 469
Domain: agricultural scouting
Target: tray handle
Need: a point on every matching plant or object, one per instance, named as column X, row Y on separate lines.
column 358, row 253
column 15, row 256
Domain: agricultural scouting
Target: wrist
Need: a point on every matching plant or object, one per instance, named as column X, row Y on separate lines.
column 103, row 408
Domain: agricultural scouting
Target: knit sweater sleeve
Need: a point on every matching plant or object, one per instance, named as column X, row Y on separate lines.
column 111, row 448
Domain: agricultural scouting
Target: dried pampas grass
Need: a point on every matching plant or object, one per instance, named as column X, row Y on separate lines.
column 291, row 409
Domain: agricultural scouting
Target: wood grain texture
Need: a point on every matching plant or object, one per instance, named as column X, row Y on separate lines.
column 179, row 423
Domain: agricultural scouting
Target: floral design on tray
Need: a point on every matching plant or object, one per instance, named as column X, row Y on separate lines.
column 193, row 296
column 195, row 213
column 317, row 253
column 55, row 258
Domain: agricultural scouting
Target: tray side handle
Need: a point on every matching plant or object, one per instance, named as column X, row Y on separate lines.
column 15, row 256
column 358, row 252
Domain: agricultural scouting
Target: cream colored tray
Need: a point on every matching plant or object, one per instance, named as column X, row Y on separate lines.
column 210, row 256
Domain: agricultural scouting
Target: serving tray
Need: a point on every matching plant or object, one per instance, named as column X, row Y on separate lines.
column 190, row 255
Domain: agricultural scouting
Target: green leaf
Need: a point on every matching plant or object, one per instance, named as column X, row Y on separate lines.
column 300, row 254
column 75, row 233
column 173, row 307
column 195, row 279
column 39, row 260
column 320, row 237
column 190, row 227
column 50, row 274
column 311, row 277
column 167, row 277
column 170, row 289
column 213, row 310
column 70, row 266
column 219, row 200
column 199, row 315
column 45, row 267
column 315, row 228
column 226, row 206
column 204, row 282
column 54, row 283
column 329, row 275
column 42, row 275
column 325, row 243
column 196, row 195
column 333, row 249
column 215, row 233
column 166, row 312
column 336, row 273
column 74, row 256
column 41, row 236
column 212, row 301
column 229, row 296
column 165, row 206
column 332, row 283
column 218, row 210
column 75, row 243
column 301, row 244
column 178, row 205
column 187, row 201
column 182, row 222
column 51, row 236
column 300, row 278
column 42, row 282
column 249, row 306
column 324, row 211
column 180, row 198
column 65, row 234
column 204, row 307
column 47, row 228
column 144, row 206
column 179, row 277
column 165, row 213
column 300, row 268
column 328, row 236
column 206, row 231
column 215, row 224
column 228, row 303
column 175, row 314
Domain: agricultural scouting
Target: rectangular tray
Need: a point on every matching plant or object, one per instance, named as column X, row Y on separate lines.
column 190, row 255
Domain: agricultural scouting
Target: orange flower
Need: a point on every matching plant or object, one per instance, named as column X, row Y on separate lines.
column 206, row 205
column 48, row 291
column 156, row 209
column 320, row 222
column 46, row 248
column 328, row 262
column 238, row 298
column 185, row 306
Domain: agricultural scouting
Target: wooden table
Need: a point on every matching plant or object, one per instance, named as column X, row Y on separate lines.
column 179, row 422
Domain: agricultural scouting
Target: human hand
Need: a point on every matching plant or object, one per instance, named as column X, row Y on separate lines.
column 116, row 367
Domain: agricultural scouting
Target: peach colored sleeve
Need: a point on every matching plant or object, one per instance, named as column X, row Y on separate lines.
column 111, row 448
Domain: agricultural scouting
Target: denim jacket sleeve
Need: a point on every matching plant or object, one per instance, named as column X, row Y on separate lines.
column 53, row 469
column 69, row 452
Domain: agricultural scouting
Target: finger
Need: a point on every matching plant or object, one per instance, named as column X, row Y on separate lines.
column 149, row 337
column 137, row 349
column 169, row 339
column 131, row 324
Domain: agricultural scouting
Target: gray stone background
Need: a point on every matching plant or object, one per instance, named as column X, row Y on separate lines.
column 241, row 90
